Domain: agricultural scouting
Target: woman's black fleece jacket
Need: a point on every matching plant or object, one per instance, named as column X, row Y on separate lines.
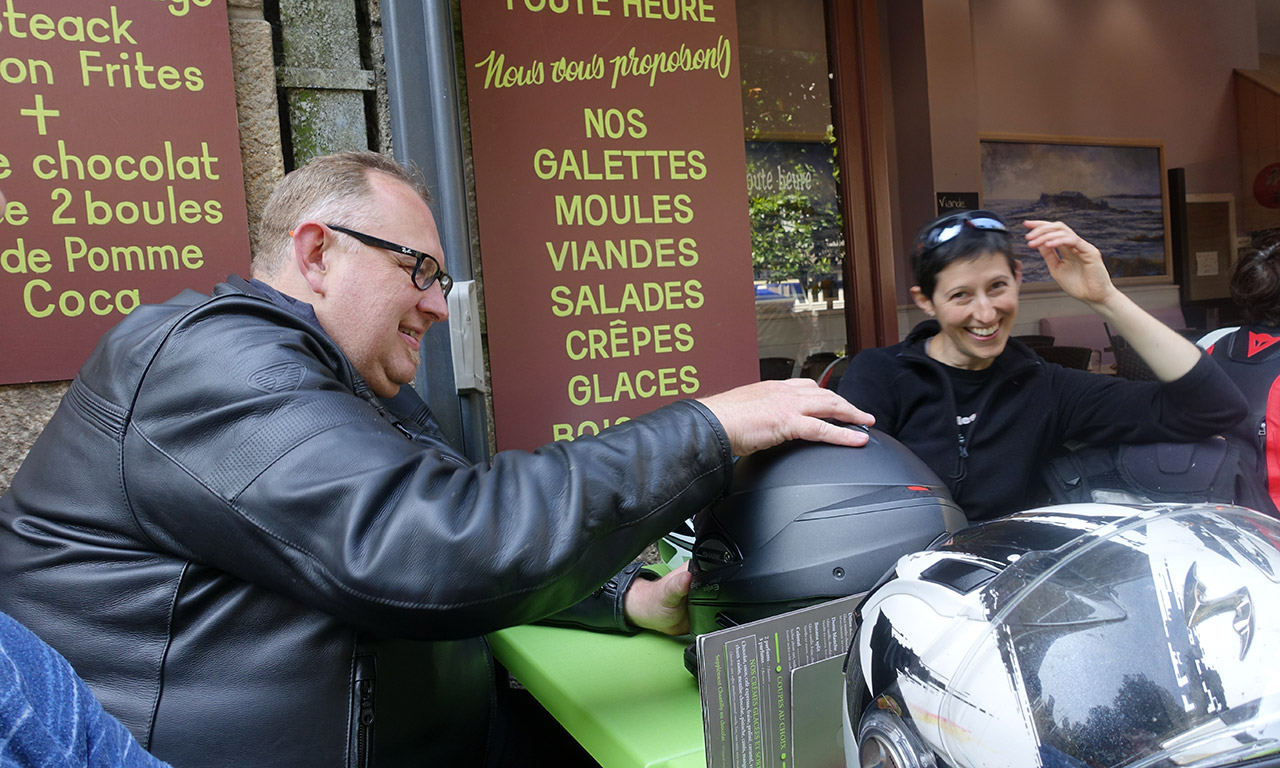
column 1025, row 412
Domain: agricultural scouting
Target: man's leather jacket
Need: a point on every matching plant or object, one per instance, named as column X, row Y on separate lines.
column 251, row 565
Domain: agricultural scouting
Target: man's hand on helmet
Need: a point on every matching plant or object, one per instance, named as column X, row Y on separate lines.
column 758, row 416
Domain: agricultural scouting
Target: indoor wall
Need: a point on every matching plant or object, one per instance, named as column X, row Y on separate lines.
column 1159, row 70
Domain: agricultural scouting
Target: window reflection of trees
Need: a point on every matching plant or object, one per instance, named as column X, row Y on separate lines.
column 797, row 238
column 795, row 228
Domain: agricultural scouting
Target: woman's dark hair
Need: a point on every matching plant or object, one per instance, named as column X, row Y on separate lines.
column 955, row 237
column 1255, row 282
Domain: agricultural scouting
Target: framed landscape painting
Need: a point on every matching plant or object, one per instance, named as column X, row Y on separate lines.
column 1111, row 192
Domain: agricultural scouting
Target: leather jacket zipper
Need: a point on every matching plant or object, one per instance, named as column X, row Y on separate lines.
column 366, row 677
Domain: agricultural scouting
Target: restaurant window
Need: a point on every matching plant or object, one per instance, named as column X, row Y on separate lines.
column 793, row 184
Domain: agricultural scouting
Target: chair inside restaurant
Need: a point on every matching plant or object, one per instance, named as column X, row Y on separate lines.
column 776, row 368
column 1035, row 340
column 1067, row 357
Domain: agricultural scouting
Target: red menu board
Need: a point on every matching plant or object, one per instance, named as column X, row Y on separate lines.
column 611, row 185
column 120, row 160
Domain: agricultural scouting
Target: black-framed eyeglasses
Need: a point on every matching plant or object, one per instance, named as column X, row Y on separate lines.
column 948, row 227
column 426, row 270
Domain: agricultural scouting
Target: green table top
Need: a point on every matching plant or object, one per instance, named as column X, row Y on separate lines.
column 627, row 699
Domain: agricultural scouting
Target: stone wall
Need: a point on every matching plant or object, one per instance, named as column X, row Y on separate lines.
column 256, row 105
column 24, row 410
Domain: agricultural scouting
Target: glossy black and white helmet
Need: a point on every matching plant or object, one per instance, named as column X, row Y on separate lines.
column 1074, row 635
column 676, row 547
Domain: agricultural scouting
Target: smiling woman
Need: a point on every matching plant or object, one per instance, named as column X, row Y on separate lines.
column 983, row 410
column 975, row 301
column 967, row 278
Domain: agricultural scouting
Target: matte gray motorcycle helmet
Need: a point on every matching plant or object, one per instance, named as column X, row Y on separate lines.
column 1074, row 635
column 805, row 522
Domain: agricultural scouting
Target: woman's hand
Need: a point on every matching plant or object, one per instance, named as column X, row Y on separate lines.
column 1073, row 262
column 1078, row 268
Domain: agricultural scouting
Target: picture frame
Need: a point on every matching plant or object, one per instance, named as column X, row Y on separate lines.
column 1112, row 192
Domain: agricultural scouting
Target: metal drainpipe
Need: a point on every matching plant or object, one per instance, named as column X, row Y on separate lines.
column 321, row 77
column 427, row 130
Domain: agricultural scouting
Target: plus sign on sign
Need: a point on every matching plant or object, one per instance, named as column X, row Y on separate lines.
column 120, row 168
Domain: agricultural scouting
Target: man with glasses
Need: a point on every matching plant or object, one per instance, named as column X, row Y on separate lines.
column 255, row 553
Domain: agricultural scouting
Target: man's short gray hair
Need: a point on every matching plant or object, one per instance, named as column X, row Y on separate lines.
column 334, row 189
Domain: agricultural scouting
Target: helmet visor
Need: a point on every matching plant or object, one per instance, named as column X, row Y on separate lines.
column 1150, row 639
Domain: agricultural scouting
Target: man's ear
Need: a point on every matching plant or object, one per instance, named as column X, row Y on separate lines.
column 922, row 301
column 311, row 241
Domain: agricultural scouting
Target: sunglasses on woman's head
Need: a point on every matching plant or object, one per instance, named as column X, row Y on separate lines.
column 949, row 226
